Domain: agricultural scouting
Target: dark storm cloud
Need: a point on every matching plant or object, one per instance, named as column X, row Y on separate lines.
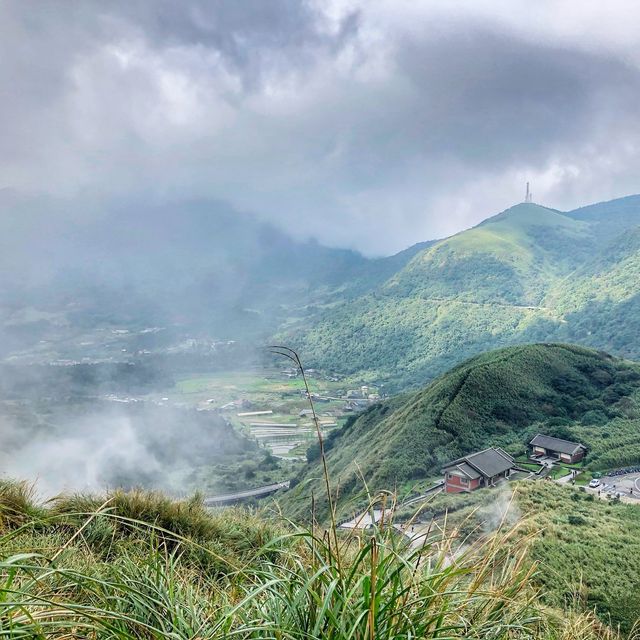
column 494, row 101
column 365, row 124
column 241, row 31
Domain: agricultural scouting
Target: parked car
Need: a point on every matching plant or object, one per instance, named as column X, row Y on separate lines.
column 595, row 483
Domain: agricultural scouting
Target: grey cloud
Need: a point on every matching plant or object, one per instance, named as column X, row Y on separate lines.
column 485, row 98
column 239, row 30
column 364, row 129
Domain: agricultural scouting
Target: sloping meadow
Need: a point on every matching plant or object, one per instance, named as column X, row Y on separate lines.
column 142, row 566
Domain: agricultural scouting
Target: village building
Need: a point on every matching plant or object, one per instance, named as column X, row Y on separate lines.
column 563, row 450
column 481, row 469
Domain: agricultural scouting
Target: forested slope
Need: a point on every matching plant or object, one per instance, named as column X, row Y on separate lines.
column 600, row 302
column 528, row 274
column 501, row 398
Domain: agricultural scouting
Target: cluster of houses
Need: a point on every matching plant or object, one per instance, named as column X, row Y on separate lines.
column 486, row 468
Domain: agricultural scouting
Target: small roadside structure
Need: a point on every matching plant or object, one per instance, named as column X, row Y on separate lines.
column 481, row 469
column 563, row 450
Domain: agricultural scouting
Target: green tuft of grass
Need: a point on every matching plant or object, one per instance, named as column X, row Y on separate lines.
column 18, row 504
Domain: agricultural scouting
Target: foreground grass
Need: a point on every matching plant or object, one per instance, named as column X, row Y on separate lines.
column 138, row 565
column 587, row 551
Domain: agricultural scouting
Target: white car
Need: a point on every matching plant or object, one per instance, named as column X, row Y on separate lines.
column 594, row 483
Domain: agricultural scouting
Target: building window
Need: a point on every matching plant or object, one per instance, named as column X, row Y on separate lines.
column 464, row 481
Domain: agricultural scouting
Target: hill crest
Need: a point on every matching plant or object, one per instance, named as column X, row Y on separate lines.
column 500, row 398
column 508, row 280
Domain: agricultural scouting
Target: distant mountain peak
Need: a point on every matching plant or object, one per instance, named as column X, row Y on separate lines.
column 526, row 215
column 528, row 212
column 530, row 271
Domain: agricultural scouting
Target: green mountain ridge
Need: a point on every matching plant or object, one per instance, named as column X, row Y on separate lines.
column 612, row 275
column 600, row 303
column 507, row 258
column 524, row 275
column 501, row 398
column 611, row 218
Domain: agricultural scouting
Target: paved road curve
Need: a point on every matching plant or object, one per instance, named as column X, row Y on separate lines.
column 367, row 518
column 363, row 520
column 258, row 492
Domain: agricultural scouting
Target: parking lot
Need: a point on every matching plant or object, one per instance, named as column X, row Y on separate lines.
column 628, row 485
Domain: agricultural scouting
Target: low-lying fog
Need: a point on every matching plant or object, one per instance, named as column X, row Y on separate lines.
column 90, row 446
column 93, row 426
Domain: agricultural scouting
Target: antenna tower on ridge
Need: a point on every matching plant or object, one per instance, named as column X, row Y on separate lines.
column 528, row 196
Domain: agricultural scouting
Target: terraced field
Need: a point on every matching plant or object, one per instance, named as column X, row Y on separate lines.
column 271, row 404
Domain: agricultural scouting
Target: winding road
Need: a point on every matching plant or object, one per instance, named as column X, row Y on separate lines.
column 239, row 496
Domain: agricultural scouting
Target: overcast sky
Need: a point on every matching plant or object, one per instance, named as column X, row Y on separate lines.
column 370, row 124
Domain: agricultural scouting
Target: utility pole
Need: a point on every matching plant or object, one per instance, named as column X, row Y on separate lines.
column 528, row 196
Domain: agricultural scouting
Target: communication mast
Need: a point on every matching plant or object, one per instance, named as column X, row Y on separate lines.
column 528, row 196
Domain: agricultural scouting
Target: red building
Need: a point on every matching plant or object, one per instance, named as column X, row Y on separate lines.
column 481, row 469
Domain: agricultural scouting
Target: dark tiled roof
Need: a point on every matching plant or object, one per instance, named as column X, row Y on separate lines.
column 468, row 470
column 491, row 462
column 556, row 444
column 488, row 463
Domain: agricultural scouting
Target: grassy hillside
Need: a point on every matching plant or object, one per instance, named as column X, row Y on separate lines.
column 612, row 275
column 507, row 259
column 500, row 398
column 609, row 219
column 590, row 550
column 135, row 565
column 587, row 550
column 530, row 273
column 600, row 302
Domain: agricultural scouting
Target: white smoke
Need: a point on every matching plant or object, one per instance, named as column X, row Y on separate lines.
column 88, row 455
column 502, row 511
